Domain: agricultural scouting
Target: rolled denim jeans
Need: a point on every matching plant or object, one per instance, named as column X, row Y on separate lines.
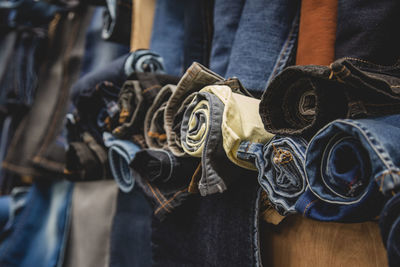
column 302, row 99
column 356, row 166
column 117, row 21
column 120, row 154
column 202, row 135
column 154, row 131
column 280, row 165
column 195, row 78
column 164, row 178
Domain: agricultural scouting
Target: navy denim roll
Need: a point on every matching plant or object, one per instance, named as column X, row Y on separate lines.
column 350, row 165
column 280, row 165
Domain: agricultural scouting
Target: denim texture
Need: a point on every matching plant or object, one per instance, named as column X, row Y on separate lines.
column 217, row 230
column 264, row 42
column 365, row 30
column 182, row 33
column 117, row 23
column 280, row 165
column 164, row 179
column 130, row 241
column 11, row 207
column 120, row 155
column 356, row 166
column 302, row 99
column 154, row 131
column 39, row 232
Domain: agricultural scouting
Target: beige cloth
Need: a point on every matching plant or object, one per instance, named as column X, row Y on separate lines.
column 93, row 209
column 142, row 23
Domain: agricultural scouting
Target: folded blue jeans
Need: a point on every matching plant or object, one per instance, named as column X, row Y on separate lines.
column 350, row 165
column 120, row 155
column 280, row 165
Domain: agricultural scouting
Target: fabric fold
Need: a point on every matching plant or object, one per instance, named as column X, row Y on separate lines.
column 302, row 99
column 120, row 154
column 280, row 166
column 355, row 168
column 164, row 178
column 154, row 131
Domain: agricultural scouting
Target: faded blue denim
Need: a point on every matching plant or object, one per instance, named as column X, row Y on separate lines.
column 350, row 165
column 264, row 41
column 280, row 165
column 38, row 234
column 120, row 155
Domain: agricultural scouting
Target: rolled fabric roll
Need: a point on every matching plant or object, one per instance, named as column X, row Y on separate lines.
column 120, row 154
column 194, row 79
column 154, row 131
column 164, row 178
column 283, row 176
column 214, row 124
column 302, row 99
column 350, row 165
column 117, row 21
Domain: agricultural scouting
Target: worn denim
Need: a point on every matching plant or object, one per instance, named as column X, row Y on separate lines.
column 11, row 207
column 302, row 99
column 39, row 233
column 130, row 240
column 355, row 167
column 120, row 154
column 164, row 178
column 264, row 42
column 217, row 230
column 280, row 165
column 195, row 78
column 365, row 30
column 154, row 131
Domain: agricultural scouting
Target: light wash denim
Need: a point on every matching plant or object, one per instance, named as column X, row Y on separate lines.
column 120, row 155
column 350, row 165
column 38, row 234
column 263, row 43
column 280, row 165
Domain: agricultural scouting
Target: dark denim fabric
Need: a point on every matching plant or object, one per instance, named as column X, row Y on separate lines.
column 264, row 42
column 216, row 230
column 389, row 224
column 35, row 149
column 280, row 165
column 130, row 243
column 357, row 164
column 39, row 232
column 302, row 99
column 11, row 206
column 164, row 178
column 182, row 32
column 98, row 52
column 117, row 21
column 4, row 210
column 365, row 30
